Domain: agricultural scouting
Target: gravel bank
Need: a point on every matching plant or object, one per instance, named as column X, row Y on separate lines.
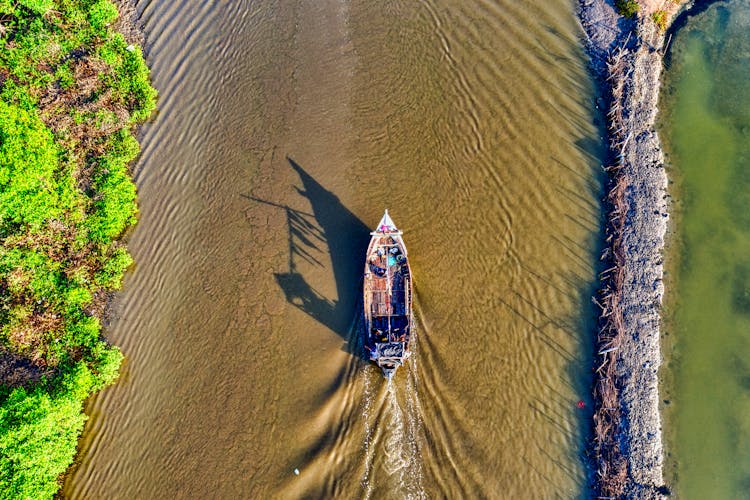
column 627, row 58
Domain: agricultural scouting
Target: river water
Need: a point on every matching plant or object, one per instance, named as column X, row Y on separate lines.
column 707, row 99
column 284, row 130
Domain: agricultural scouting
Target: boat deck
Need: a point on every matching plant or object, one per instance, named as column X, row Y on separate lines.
column 387, row 279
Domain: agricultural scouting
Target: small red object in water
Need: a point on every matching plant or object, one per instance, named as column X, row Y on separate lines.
column 581, row 404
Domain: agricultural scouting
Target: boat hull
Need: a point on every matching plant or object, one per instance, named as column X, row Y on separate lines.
column 387, row 290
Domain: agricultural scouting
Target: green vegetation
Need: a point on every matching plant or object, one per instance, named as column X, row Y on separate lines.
column 71, row 90
column 660, row 19
column 627, row 8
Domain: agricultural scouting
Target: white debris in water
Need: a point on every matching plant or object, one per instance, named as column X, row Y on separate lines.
column 296, row 472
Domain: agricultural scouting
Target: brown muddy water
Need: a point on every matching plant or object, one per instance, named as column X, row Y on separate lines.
column 285, row 129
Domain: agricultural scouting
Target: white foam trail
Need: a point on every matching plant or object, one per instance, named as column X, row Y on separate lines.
column 397, row 459
column 392, row 451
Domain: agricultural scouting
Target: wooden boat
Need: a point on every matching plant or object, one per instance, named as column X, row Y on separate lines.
column 389, row 322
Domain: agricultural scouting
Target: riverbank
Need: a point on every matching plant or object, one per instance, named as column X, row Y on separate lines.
column 627, row 56
column 72, row 92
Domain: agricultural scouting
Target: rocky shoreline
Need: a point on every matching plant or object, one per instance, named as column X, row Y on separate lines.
column 627, row 57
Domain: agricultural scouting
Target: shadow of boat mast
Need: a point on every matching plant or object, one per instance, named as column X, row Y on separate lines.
column 333, row 226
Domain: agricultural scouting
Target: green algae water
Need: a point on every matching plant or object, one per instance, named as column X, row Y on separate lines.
column 707, row 101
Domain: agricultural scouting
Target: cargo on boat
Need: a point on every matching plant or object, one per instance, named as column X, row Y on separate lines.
column 389, row 322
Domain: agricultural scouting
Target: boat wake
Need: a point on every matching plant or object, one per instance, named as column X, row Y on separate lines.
column 393, row 430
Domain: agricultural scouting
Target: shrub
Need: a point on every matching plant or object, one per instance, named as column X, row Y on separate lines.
column 123, row 144
column 7, row 7
column 660, row 19
column 64, row 76
column 114, row 208
column 627, row 8
column 17, row 95
column 39, row 430
column 77, row 297
column 101, row 14
column 29, row 273
column 28, row 161
column 38, row 6
column 82, row 331
column 107, row 365
column 131, row 77
column 110, row 276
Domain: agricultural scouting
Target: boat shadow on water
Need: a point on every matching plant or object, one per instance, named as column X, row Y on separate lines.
column 329, row 225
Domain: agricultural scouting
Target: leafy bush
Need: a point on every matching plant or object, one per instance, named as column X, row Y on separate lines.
column 82, row 331
column 131, row 76
column 115, row 207
column 38, row 6
column 7, row 7
column 29, row 273
column 101, row 14
column 39, row 429
column 107, row 365
column 627, row 8
column 110, row 276
column 660, row 19
column 64, row 75
column 28, row 161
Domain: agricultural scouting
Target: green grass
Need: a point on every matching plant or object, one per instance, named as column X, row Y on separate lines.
column 71, row 90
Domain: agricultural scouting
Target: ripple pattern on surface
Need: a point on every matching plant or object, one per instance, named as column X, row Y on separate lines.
column 284, row 129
